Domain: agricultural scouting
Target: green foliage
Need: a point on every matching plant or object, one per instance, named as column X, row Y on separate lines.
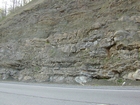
column 120, row 80
column 52, row 52
column 106, row 60
column 36, row 68
column 139, row 54
column 47, row 42
column 2, row 15
column 1, row 19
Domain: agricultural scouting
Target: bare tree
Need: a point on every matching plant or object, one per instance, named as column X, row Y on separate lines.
column 14, row 4
column 5, row 8
column 2, row 13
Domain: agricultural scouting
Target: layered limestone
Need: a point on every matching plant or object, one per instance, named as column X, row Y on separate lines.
column 68, row 41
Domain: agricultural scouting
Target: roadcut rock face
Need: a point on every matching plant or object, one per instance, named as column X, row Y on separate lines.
column 64, row 41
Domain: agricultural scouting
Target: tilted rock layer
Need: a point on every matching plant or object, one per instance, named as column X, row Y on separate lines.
column 68, row 41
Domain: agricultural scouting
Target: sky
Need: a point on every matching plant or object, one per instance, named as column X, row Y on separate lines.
column 2, row 3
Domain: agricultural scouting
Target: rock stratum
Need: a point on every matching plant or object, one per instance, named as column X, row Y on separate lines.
column 67, row 41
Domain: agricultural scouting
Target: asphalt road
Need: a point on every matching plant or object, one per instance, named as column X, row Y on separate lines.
column 39, row 94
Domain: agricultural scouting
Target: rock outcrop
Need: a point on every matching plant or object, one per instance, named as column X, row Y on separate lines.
column 67, row 41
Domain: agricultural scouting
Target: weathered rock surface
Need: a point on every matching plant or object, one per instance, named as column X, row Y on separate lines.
column 67, row 41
